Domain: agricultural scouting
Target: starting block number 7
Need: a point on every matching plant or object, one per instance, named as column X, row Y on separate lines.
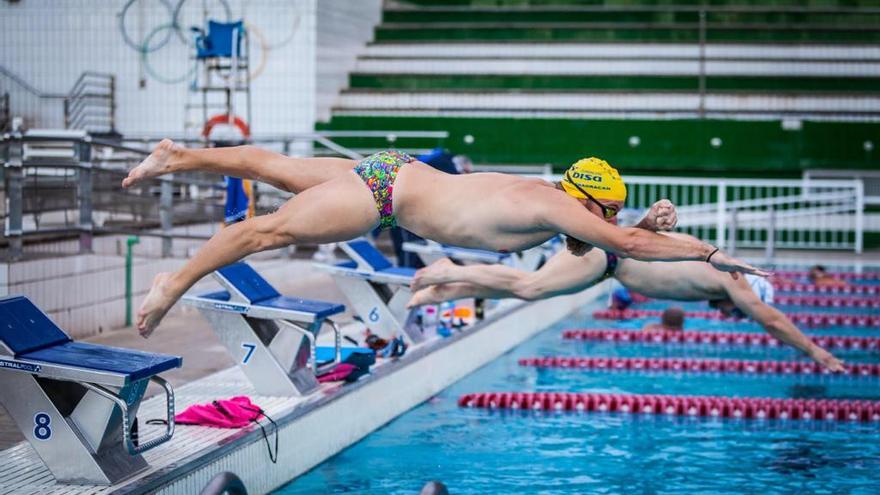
column 249, row 351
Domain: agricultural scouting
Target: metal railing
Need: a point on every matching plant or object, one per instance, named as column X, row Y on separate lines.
column 761, row 213
column 60, row 185
column 871, row 179
column 91, row 103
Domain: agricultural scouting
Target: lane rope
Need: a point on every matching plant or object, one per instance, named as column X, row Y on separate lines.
column 806, row 319
column 594, row 363
column 681, row 405
column 717, row 338
column 824, row 289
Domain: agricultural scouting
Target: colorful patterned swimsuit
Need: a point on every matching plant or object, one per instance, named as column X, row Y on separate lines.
column 378, row 172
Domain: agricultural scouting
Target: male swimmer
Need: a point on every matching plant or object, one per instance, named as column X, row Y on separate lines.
column 339, row 199
column 565, row 273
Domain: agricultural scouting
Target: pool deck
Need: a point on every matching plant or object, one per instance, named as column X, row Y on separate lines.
column 311, row 428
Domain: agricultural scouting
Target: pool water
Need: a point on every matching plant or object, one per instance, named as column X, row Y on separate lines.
column 478, row 451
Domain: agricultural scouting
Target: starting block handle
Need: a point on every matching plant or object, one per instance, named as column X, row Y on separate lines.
column 337, row 334
column 126, row 419
column 313, row 358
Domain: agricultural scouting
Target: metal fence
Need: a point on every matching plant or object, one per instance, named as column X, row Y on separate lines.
column 761, row 213
column 871, row 179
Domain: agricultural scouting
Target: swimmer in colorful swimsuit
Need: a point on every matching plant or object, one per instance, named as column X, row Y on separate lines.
column 565, row 273
column 484, row 210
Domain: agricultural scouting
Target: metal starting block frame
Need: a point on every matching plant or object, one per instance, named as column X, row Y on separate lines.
column 377, row 290
column 271, row 337
column 76, row 402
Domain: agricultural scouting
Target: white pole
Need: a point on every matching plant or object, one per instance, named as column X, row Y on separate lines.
column 860, row 216
column 721, row 214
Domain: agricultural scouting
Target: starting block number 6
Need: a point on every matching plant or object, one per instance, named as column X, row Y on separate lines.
column 374, row 314
column 42, row 430
column 249, row 352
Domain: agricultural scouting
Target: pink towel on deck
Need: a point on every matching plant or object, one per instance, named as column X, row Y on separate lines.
column 236, row 412
column 339, row 372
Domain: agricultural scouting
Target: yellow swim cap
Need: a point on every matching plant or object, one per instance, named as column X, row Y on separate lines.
column 596, row 177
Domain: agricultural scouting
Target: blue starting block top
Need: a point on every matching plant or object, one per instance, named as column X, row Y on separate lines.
column 259, row 292
column 32, row 336
column 320, row 309
column 134, row 364
column 377, row 261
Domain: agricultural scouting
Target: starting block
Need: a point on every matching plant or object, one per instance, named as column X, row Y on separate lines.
column 270, row 336
column 377, row 290
column 76, row 402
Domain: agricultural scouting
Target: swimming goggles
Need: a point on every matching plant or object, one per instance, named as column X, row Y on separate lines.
column 607, row 212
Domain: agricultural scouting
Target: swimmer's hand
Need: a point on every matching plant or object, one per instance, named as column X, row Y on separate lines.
column 661, row 216
column 725, row 263
column 827, row 360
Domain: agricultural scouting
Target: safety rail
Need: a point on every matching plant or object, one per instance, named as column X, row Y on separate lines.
column 871, row 178
column 91, row 103
column 758, row 213
column 63, row 184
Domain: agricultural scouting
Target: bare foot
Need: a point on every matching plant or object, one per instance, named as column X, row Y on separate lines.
column 438, row 272
column 154, row 165
column 155, row 305
column 430, row 295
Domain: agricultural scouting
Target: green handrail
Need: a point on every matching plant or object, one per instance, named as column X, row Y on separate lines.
column 129, row 243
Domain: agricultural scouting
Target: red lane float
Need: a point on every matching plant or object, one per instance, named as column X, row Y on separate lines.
column 829, row 301
column 678, row 405
column 838, row 275
column 716, row 338
column 806, row 319
column 694, row 365
column 823, row 289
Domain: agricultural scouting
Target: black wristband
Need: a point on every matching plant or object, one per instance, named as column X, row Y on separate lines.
column 709, row 258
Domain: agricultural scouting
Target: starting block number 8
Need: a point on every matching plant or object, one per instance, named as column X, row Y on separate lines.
column 42, row 431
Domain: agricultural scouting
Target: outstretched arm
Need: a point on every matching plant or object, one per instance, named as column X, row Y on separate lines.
column 777, row 324
column 564, row 214
column 564, row 273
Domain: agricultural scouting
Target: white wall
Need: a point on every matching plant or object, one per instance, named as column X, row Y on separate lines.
column 49, row 43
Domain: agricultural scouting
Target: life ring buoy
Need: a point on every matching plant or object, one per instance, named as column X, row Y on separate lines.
column 225, row 118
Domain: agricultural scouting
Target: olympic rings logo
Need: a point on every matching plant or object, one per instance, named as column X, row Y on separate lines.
column 159, row 36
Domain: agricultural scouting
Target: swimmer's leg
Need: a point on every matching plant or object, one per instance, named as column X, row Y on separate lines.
column 248, row 162
column 444, row 271
column 334, row 211
column 436, row 294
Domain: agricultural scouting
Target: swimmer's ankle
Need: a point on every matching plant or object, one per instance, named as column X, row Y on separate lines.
column 176, row 160
column 173, row 285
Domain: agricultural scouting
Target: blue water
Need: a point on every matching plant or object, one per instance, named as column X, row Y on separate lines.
column 476, row 451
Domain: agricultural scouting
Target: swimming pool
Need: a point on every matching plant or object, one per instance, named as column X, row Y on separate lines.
column 486, row 451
